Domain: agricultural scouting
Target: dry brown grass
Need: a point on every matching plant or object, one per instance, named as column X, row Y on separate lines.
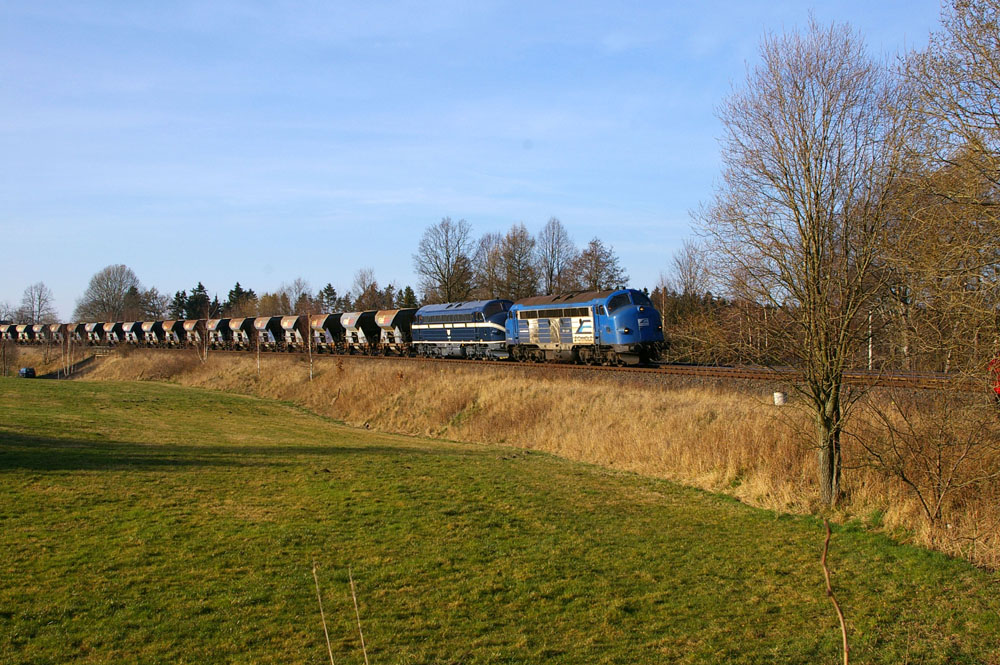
column 46, row 360
column 719, row 439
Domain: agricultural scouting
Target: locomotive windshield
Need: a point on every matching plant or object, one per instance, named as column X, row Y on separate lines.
column 640, row 298
column 619, row 301
column 493, row 309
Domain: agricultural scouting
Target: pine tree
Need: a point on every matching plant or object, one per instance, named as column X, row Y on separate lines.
column 197, row 304
column 178, row 304
column 406, row 299
column 328, row 298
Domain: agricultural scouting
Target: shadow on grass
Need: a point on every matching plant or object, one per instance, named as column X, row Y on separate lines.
column 21, row 451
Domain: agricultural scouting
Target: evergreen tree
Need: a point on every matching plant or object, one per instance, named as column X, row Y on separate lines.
column 406, row 299
column 388, row 297
column 178, row 304
column 198, row 303
column 328, row 298
column 345, row 303
column 240, row 302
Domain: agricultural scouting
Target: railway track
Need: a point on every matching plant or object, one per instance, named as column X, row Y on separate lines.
column 788, row 375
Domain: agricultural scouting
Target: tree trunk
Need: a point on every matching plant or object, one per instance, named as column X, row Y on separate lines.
column 828, row 426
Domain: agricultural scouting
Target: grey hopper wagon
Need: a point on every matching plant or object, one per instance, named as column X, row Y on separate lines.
column 95, row 333
column 152, row 333
column 132, row 331
column 244, row 336
column 395, row 330
column 295, row 332
column 114, row 332
column 219, row 334
column 25, row 333
column 328, row 332
column 194, row 332
column 40, row 333
column 361, row 331
column 172, row 332
column 269, row 331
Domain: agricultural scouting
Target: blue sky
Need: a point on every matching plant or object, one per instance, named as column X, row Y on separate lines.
column 264, row 141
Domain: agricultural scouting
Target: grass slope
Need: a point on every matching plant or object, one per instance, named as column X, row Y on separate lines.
column 152, row 523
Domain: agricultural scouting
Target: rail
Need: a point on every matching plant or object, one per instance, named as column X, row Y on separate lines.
column 789, row 375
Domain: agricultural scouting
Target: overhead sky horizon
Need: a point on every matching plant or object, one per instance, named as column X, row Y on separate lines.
column 264, row 141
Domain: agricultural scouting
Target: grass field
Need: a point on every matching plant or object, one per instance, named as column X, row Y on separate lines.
column 143, row 522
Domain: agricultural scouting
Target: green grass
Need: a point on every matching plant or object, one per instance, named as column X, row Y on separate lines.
column 151, row 523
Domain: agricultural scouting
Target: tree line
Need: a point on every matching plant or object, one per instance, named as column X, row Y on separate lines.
column 455, row 266
column 452, row 266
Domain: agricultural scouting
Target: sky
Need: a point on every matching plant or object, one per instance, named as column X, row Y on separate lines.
column 264, row 141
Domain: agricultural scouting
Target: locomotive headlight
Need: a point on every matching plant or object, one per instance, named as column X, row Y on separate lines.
column 626, row 331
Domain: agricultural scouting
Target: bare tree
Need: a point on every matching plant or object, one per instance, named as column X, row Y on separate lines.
column 366, row 286
column 106, row 296
column 941, row 449
column 597, row 268
column 944, row 270
column 520, row 275
column 958, row 81
column 36, row 305
column 443, row 263
column 689, row 270
column 296, row 290
column 489, row 274
column 812, row 152
column 556, row 255
column 7, row 312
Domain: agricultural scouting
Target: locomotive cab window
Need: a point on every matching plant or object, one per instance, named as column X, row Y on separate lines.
column 639, row 298
column 617, row 302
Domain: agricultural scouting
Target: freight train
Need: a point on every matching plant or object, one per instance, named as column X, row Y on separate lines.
column 619, row 327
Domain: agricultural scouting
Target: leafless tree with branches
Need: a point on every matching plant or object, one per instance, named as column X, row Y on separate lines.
column 812, row 152
column 37, row 305
column 556, row 255
column 443, row 261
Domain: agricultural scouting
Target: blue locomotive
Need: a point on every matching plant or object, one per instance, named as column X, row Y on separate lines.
column 596, row 327
column 462, row 329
